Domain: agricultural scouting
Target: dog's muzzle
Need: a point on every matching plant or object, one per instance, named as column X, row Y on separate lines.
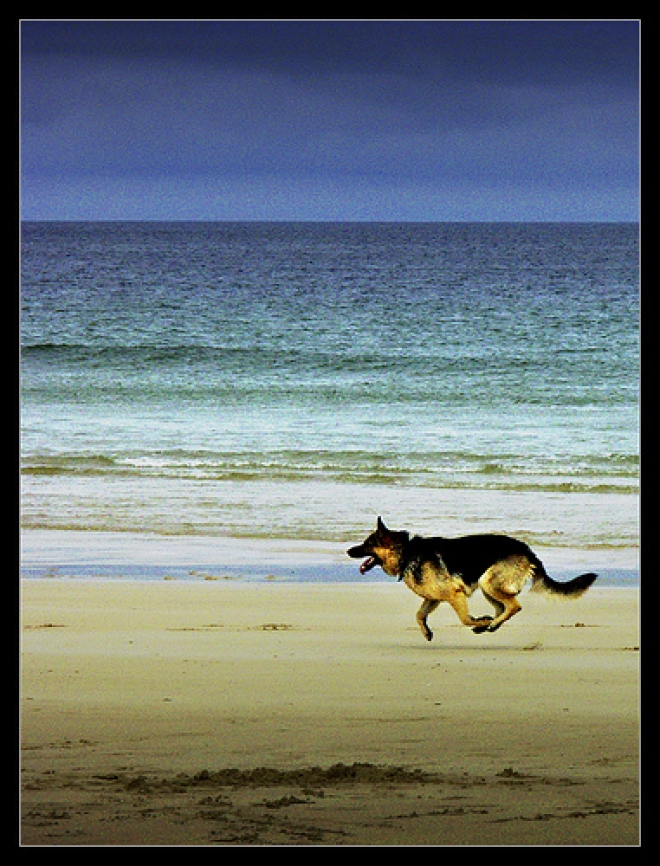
column 369, row 563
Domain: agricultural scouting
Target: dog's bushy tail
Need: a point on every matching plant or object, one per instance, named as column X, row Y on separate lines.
column 542, row 582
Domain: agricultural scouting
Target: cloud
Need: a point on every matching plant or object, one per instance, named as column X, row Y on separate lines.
column 572, row 52
column 159, row 115
column 406, row 116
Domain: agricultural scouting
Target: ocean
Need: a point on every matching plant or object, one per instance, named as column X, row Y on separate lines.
column 285, row 383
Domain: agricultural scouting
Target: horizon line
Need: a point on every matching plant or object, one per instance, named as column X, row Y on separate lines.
column 613, row 221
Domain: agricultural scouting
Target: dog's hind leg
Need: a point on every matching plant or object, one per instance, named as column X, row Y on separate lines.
column 428, row 605
column 501, row 583
column 511, row 607
column 499, row 610
column 499, row 607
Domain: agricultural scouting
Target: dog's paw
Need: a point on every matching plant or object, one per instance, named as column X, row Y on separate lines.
column 483, row 623
column 428, row 634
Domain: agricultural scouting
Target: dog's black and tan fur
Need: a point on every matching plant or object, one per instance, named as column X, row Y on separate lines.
column 450, row 569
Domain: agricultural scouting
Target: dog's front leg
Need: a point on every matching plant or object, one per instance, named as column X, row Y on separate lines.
column 458, row 601
column 428, row 605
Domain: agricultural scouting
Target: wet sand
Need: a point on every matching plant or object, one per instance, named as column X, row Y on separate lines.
column 227, row 713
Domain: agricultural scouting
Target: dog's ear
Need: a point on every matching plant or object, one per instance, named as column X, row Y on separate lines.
column 381, row 528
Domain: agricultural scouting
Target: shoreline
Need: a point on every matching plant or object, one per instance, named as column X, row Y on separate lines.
column 229, row 713
column 142, row 556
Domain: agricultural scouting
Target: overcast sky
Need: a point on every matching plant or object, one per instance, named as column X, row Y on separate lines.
column 330, row 120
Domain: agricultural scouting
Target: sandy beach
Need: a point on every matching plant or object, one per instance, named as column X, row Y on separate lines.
column 226, row 713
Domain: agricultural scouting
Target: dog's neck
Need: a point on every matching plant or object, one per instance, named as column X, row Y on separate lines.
column 411, row 559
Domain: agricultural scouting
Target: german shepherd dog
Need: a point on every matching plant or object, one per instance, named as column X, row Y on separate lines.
column 450, row 569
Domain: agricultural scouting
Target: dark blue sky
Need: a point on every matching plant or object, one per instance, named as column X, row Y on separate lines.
column 450, row 120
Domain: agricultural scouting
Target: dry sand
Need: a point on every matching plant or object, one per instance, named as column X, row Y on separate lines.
column 219, row 713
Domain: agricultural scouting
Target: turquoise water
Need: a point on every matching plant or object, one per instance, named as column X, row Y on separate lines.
column 289, row 380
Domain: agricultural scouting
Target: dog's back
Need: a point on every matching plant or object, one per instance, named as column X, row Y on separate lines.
column 471, row 555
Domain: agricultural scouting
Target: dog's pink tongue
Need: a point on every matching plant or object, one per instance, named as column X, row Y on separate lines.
column 367, row 565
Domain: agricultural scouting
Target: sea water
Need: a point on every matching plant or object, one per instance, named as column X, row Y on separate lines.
column 291, row 381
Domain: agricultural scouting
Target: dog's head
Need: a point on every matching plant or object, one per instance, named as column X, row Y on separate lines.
column 383, row 547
